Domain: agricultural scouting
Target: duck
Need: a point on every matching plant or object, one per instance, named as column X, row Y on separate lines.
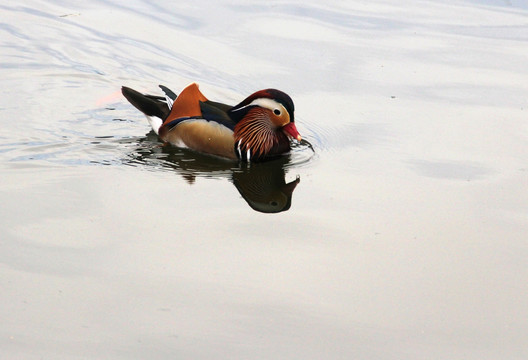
column 257, row 129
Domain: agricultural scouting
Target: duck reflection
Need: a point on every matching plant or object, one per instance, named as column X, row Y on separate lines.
column 262, row 185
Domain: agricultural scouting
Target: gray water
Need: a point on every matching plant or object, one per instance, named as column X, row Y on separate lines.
column 402, row 235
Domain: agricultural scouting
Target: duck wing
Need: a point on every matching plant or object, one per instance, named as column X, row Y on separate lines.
column 217, row 112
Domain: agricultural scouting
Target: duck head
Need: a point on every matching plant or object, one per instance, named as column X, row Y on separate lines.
column 264, row 124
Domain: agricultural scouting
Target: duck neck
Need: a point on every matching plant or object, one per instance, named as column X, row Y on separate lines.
column 256, row 137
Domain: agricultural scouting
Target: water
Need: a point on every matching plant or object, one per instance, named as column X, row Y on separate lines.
column 401, row 236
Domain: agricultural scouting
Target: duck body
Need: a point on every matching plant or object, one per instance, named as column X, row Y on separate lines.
column 256, row 129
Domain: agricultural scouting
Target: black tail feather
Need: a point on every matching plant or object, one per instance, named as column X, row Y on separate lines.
column 147, row 104
column 168, row 92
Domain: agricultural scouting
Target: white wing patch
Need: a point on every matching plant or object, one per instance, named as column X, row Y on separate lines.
column 169, row 101
column 238, row 148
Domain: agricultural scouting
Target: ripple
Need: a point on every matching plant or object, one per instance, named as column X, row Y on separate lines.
column 334, row 138
column 302, row 154
column 150, row 153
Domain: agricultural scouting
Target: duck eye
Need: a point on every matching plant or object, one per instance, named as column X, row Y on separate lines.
column 276, row 112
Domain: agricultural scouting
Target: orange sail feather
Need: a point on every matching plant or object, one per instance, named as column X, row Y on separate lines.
column 187, row 103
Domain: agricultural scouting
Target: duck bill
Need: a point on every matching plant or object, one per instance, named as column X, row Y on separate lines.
column 290, row 130
column 288, row 188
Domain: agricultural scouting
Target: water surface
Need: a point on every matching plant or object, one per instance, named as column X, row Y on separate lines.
column 401, row 236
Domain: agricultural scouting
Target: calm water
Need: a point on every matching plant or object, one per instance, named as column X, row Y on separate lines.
column 403, row 235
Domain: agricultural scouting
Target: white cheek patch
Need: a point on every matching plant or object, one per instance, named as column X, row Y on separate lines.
column 266, row 103
column 269, row 104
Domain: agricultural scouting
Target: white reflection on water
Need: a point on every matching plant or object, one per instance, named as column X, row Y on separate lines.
column 406, row 237
column 451, row 170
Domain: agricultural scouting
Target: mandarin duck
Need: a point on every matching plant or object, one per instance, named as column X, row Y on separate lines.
column 256, row 129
